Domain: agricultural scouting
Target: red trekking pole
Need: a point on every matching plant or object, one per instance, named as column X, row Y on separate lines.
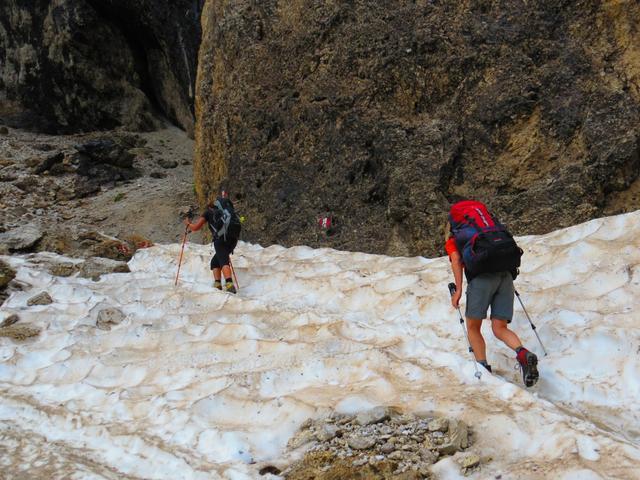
column 184, row 240
column 234, row 273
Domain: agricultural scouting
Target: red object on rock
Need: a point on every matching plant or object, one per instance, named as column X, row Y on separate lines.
column 324, row 222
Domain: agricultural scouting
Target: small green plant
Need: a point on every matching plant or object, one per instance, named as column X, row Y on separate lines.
column 119, row 196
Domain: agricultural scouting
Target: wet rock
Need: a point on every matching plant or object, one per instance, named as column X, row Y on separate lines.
column 94, row 267
column 10, row 320
column 21, row 239
column 166, row 163
column 109, row 317
column 19, row 332
column 43, row 298
column 375, row 415
column 6, row 274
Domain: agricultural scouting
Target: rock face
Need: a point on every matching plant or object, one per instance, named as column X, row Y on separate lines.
column 81, row 65
column 381, row 116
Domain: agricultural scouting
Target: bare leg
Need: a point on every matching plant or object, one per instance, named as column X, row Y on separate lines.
column 502, row 332
column 216, row 274
column 216, row 278
column 226, row 271
column 476, row 340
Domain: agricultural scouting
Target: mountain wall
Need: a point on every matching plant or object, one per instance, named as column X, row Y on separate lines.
column 381, row 113
column 69, row 66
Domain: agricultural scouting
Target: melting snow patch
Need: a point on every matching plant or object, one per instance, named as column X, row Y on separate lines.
column 224, row 380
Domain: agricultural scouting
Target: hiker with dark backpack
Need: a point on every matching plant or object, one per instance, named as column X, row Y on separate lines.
column 482, row 248
column 225, row 226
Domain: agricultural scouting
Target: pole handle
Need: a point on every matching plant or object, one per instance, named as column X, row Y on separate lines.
column 452, row 288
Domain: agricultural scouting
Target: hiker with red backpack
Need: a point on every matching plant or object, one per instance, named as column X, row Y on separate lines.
column 225, row 226
column 482, row 248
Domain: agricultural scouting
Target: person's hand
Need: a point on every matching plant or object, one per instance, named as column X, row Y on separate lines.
column 455, row 299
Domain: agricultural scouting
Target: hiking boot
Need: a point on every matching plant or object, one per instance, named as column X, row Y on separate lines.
column 529, row 365
column 230, row 288
column 217, row 284
column 485, row 365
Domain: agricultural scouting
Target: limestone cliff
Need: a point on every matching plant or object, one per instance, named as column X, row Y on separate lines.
column 382, row 112
column 82, row 65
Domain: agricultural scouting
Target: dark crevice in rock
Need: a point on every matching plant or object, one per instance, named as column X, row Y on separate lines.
column 83, row 65
column 139, row 40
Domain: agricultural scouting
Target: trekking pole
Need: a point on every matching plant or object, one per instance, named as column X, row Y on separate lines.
column 533, row 327
column 233, row 270
column 452, row 290
column 184, row 240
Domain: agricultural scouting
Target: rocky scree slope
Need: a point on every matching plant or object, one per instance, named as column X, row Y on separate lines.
column 381, row 114
column 84, row 195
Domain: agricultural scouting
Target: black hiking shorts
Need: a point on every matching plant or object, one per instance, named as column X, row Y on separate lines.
column 223, row 248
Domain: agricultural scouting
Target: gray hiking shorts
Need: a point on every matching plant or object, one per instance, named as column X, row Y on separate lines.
column 490, row 289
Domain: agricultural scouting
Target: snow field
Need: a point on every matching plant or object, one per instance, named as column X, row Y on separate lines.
column 196, row 383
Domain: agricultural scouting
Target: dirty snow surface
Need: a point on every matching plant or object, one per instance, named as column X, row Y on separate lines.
column 193, row 383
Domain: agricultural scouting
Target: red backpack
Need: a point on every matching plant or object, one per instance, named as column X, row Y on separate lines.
column 484, row 243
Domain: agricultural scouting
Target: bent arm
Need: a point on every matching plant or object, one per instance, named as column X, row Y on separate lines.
column 194, row 227
column 457, row 267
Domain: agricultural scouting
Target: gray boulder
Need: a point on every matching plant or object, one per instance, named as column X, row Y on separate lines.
column 21, row 239
column 94, row 267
